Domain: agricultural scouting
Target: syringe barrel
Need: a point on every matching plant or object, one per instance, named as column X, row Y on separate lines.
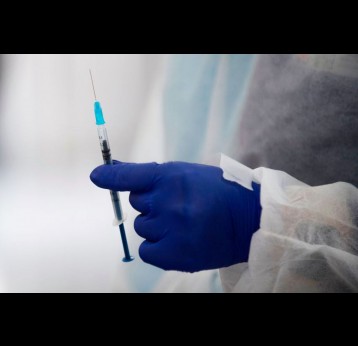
column 104, row 143
column 107, row 159
column 117, row 208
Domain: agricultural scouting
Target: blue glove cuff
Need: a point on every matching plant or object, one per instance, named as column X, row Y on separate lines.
column 247, row 221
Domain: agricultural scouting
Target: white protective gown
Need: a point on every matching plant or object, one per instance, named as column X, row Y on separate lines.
column 308, row 236
column 292, row 113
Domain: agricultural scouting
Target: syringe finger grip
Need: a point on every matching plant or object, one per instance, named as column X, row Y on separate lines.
column 117, row 222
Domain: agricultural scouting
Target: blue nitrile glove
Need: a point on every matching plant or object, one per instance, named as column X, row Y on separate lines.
column 191, row 217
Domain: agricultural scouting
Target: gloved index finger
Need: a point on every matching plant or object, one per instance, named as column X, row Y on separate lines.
column 125, row 176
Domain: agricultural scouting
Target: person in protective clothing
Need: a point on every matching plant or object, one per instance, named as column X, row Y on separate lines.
column 290, row 227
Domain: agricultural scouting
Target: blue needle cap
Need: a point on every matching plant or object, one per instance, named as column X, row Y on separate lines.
column 98, row 113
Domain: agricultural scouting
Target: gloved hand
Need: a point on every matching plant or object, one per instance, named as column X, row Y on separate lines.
column 191, row 217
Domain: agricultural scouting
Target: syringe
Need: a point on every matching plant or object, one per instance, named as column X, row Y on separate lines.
column 107, row 159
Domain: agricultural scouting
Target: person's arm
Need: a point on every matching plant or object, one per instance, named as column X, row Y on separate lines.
column 197, row 217
column 308, row 237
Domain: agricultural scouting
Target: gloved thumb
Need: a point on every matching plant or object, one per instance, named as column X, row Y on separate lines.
column 125, row 176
